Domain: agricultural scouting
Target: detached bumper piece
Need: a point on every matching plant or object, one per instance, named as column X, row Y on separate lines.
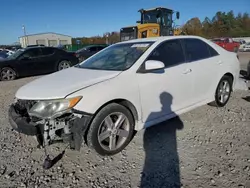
column 78, row 129
column 20, row 122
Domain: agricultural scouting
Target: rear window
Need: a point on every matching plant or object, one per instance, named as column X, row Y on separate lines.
column 48, row 51
column 212, row 51
column 196, row 49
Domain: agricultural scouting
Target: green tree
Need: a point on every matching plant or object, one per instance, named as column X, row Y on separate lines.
column 221, row 25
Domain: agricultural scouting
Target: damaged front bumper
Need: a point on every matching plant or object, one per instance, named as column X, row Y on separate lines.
column 21, row 123
column 69, row 127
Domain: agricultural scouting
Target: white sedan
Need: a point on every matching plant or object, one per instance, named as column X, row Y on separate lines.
column 124, row 88
column 246, row 47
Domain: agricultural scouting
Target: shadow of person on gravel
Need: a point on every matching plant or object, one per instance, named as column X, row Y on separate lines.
column 161, row 166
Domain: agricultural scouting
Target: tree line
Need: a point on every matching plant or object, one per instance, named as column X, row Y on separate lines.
column 223, row 24
column 106, row 38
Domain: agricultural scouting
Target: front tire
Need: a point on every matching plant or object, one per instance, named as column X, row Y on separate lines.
column 111, row 130
column 7, row 74
column 223, row 91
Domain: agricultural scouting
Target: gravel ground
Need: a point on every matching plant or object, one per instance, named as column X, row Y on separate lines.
column 207, row 147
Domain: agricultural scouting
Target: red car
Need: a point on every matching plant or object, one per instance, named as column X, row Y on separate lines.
column 227, row 43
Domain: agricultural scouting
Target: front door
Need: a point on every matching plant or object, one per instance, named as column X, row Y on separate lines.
column 165, row 92
column 28, row 62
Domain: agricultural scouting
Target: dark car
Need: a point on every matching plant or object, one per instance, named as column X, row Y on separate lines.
column 35, row 45
column 88, row 51
column 35, row 61
column 248, row 70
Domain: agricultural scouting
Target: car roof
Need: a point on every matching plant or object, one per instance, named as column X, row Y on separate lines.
column 94, row 45
column 162, row 38
column 32, row 47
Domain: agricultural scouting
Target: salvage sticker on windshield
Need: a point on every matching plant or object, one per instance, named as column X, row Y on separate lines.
column 140, row 45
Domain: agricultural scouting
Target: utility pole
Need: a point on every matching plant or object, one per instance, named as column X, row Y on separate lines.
column 25, row 37
column 107, row 39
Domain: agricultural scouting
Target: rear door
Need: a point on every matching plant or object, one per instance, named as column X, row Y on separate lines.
column 205, row 63
column 48, row 60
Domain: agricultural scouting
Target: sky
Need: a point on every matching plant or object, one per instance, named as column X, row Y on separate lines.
column 79, row 18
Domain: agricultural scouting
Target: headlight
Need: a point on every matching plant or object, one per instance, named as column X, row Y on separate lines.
column 48, row 109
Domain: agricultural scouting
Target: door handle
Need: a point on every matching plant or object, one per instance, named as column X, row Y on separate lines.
column 220, row 62
column 187, row 71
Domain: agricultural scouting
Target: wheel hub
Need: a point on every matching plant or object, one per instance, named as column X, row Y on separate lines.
column 114, row 131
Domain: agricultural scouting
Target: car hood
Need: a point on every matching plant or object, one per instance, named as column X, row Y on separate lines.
column 63, row 83
column 7, row 61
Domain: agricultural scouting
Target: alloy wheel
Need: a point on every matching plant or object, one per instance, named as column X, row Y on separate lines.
column 8, row 74
column 63, row 65
column 224, row 91
column 113, row 131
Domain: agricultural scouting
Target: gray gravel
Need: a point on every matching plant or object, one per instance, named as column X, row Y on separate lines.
column 207, row 147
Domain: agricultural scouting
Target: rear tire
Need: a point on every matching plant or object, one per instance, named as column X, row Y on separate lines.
column 223, row 92
column 7, row 74
column 64, row 64
column 104, row 137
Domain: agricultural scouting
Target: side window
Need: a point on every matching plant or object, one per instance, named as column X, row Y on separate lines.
column 93, row 49
column 195, row 49
column 212, row 51
column 47, row 51
column 32, row 53
column 169, row 52
column 99, row 48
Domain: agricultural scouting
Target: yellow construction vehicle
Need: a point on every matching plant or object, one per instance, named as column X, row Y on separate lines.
column 178, row 31
column 154, row 22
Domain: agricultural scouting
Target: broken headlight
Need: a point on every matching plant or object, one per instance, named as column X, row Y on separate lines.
column 48, row 109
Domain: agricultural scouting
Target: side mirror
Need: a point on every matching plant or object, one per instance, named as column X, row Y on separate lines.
column 178, row 15
column 138, row 21
column 153, row 65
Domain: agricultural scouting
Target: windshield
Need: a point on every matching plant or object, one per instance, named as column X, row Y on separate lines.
column 151, row 17
column 118, row 57
column 16, row 54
